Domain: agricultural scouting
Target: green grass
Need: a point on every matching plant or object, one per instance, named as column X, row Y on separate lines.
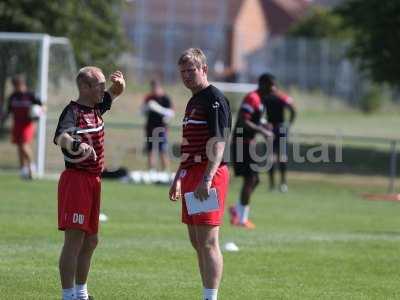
column 319, row 241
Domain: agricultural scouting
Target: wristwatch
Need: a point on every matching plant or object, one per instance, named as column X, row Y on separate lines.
column 75, row 145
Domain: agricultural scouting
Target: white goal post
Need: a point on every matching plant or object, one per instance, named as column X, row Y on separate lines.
column 44, row 41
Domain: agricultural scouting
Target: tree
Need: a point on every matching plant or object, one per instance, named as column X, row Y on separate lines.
column 320, row 23
column 376, row 34
column 93, row 26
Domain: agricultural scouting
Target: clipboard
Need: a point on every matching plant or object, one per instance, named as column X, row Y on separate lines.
column 195, row 206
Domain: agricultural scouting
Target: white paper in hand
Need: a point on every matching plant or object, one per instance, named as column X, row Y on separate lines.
column 195, row 206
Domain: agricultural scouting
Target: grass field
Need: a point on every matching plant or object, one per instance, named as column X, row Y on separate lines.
column 319, row 241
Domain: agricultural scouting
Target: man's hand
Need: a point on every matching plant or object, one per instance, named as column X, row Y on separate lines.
column 87, row 151
column 202, row 191
column 118, row 86
column 175, row 190
column 267, row 134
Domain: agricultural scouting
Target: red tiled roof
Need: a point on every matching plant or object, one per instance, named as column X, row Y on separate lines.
column 281, row 14
column 187, row 12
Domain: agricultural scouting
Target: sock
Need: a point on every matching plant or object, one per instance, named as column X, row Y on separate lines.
column 68, row 294
column 24, row 171
column 239, row 209
column 272, row 176
column 210, row 294
column 81, row 292
column 245, row 214
column 283, row 168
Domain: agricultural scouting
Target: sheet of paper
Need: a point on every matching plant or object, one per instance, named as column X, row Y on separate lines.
column 195, row 206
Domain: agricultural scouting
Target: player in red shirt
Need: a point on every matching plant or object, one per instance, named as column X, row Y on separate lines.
column 277, row 103
column 20, row 104
column 206, row 128
column 80, row 134
column 248, row 125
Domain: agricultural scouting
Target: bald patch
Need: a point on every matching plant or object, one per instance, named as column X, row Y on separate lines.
column 89, row 75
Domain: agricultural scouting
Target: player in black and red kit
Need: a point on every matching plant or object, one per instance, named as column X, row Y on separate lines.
column 158, row 108
column 80, row 134
column 277, row 103
column 206, row 127
column 20, row 103
column 248, row 124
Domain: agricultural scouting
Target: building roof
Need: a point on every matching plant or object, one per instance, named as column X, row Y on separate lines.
column 280, row 14
column 205, row 12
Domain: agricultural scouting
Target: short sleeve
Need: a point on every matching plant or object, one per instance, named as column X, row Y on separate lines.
column 249, row 106
column 105, row 105
column 66, row 123
column 167, row 102
column 219, row 117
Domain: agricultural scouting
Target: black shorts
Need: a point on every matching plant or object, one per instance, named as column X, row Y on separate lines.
column 157, row 140
column 243, row 163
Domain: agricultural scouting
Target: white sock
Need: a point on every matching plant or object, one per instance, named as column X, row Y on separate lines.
column 68, row 294
column 245, row 214
column 210, row 294
column 81, row 292
column 33, row 167
column 239, row 209
column 24, row 171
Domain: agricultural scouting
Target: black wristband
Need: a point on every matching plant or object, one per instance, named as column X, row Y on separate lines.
column 75, row 145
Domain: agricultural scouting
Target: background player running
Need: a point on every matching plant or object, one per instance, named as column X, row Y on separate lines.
column 248, row 124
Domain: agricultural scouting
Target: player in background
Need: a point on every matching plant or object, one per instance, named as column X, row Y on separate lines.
column 80, row 135
column 21, row 104
column 248, row 125
column 157, row 107
column 277, row 103
column 206, row 127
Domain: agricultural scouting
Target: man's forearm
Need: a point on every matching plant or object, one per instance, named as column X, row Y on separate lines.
column 65, row 141
column 113, row 96
column 177, row 174
column 216, row 159
column 292, row 115
column 253, row 126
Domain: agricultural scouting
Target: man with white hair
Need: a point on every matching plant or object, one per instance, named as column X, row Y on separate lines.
column 80, row 134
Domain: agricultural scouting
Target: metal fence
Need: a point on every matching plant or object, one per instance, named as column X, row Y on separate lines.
column 310, row 65
column 305, row 63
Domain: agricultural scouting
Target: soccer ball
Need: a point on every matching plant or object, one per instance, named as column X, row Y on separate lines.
column 35, row 112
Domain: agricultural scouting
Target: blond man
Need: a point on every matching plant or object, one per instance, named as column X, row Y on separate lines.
column 206, row 126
